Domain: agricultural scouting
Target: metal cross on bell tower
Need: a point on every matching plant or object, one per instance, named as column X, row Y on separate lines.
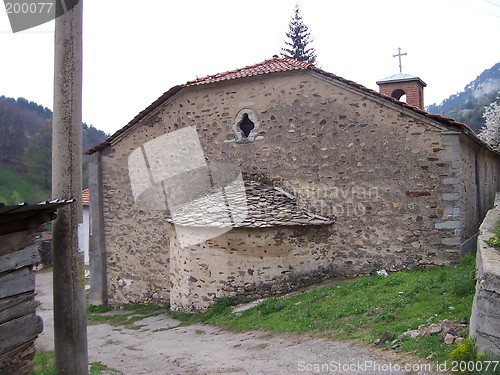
column 399, row 54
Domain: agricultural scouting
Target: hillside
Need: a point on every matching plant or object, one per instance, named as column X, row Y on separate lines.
column 468, row 106
column 26, row 150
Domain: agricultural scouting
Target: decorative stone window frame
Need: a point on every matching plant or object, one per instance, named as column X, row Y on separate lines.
column 240, row 136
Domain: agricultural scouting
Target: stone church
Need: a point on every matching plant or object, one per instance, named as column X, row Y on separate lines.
column 258, row 181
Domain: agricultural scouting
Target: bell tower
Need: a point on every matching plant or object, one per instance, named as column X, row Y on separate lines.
column 401, row 84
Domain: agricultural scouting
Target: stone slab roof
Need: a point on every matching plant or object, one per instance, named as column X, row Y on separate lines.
column 274, row 66
column 256, row 206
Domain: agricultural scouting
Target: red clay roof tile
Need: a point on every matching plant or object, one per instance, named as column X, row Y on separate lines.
column 85, row 197
column 274, row 65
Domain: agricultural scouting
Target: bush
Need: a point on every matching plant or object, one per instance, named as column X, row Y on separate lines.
column 466, row 351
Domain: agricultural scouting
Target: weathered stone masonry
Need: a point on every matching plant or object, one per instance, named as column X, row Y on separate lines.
column 397, row 183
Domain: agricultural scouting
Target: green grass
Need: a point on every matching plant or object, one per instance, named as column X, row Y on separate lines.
column 44, row 364
column 126, row 315
column 15, row 189
column 362, row 309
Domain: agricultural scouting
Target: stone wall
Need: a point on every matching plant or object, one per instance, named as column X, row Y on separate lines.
column 480, row 180
column 135, row 241
column 255, row 263
column 389, row 176
column 488, row 165
column 485, row 319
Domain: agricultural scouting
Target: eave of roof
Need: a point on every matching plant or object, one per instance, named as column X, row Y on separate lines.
column 278, row 65
column 107, row 142
column 400, row 77
column 24, row 208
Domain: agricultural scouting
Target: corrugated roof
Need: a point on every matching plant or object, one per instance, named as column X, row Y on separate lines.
column 21, row 217
column 258, row 206
column 28, row 208
column 277, row 65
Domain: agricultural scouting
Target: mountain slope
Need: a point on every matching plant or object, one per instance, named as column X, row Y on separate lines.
column 26, row 150
column 16, row 188
column 468, row 105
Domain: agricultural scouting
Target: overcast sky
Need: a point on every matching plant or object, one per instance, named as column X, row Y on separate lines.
column 136, row 50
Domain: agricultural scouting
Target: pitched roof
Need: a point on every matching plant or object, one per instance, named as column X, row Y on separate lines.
column 257, row 206
column 279, row 65
column 85, row 197
column 400, row 77
column 274, row 65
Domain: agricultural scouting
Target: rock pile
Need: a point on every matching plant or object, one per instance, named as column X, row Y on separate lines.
column 448, row 329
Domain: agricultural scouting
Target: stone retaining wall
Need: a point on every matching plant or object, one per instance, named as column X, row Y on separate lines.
column 485, row 319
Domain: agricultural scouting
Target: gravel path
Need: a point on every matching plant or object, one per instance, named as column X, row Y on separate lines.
column 159, row 345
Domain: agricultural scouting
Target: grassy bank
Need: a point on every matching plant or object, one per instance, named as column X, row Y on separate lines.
column 44, row 364
column 363, row 309
column 15, row 188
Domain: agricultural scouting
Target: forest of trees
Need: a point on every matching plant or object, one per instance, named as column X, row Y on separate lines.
column 26, row 141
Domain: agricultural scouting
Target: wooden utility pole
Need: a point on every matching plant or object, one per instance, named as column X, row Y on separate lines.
column 70, row 321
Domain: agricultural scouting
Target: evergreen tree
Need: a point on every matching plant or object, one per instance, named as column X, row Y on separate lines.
column 298, row 44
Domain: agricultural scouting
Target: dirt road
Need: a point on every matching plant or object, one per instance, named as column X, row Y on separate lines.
column 158, row 345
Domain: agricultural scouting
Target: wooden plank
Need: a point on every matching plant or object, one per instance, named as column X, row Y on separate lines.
column 15, row 241
column 18, row 331
column 20, row 258
column 28, row 220
column 17, row 282
column 8, row 302
column 18, row 360
column 14, row 312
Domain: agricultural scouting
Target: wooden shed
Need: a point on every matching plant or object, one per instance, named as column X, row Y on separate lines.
column 19, row 324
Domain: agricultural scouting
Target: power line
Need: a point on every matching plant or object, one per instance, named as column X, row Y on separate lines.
column 480, row 10
column 492, row 3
